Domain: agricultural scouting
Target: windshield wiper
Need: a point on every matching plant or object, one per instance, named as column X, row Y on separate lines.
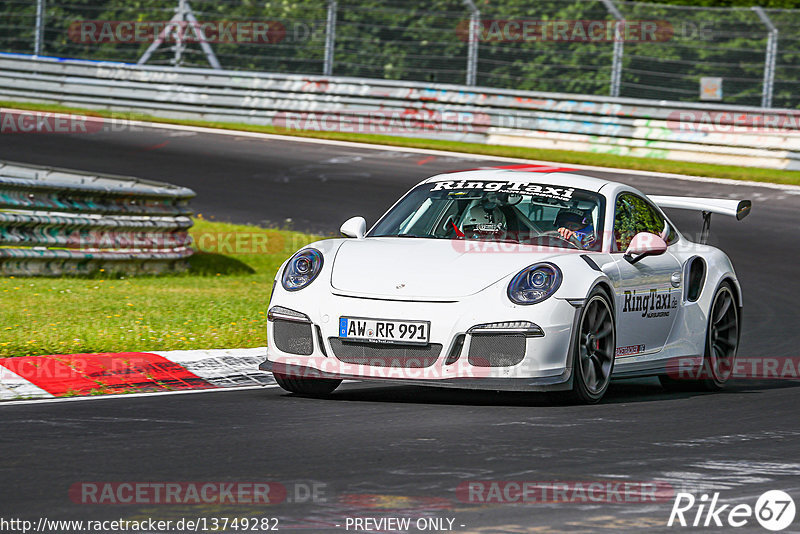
column 399, row 235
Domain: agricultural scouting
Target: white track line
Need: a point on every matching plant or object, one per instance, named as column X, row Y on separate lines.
column 464, row 155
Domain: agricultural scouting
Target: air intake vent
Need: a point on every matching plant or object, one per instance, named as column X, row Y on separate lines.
column 496, row 350
column 385, row 354
column 293, row 337
column 455, row 351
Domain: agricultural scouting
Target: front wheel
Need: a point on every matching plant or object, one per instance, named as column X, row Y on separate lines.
column 314, row 387
column 593, row 351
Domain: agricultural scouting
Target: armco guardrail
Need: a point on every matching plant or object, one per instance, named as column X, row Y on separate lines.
column 657, row 129
column 55, row 222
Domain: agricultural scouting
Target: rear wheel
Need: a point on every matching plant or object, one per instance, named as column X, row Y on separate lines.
column 593, row 352
column 314, row 387
column 722, row 342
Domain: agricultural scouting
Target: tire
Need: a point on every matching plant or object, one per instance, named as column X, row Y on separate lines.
column 313, row 387
column 722, row 342
column 594, row 350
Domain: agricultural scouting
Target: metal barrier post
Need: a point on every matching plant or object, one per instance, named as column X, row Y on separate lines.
column 474, row 36
column 770, row 58
column 183, row 13
column 179, row 46
column 616, row 62
column 330, row 38
column 207, row 50
column 38, row 39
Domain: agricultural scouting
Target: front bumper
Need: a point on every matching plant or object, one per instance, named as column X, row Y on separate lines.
column 560, row 382
column 545, row 366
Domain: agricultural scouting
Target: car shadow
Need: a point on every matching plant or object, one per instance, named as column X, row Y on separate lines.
column 619, row 392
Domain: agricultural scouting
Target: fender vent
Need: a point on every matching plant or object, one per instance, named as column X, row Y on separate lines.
column 697, row 276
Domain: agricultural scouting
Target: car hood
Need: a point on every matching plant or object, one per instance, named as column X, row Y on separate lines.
column 427, row 269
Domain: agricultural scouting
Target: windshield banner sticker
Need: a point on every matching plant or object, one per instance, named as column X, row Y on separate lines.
column 514, row 188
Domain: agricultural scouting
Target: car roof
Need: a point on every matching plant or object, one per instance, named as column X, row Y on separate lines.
column 562, row 179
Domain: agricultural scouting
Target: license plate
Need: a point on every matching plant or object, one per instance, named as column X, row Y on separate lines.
column 384, row 330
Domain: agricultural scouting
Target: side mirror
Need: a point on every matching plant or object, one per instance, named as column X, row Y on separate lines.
column 645, row 244
column 355, row 227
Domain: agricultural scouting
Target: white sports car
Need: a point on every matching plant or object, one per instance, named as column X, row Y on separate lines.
column 508, row 280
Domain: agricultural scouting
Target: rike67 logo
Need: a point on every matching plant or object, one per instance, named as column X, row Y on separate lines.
column 774, row 510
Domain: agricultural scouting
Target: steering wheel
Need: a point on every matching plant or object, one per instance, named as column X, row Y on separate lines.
column 553, row 234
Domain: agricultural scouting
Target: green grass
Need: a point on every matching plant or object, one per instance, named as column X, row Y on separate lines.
column 220, row 303
column 561, row 156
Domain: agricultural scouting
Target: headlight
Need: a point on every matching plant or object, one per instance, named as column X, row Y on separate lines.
column 301, row 270
column 534, row 284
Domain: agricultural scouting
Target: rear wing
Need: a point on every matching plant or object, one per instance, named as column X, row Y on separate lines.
column 732, row 208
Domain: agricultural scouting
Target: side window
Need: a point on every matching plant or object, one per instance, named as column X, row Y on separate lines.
column 633, row 214
column 671, row 234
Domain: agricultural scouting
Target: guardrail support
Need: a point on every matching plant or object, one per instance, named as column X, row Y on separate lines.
column 38, row 38
column 616, row 62
column 207, row 50
column 770, row 59
column 330, row 38
column 183, row 14
column 474, row 38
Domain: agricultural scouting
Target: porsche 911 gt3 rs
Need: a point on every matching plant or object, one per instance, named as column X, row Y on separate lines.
column 509, row 280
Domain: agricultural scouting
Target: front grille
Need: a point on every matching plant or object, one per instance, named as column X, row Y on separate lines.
column 385, row 354
column 496, row 350
column 293, row 337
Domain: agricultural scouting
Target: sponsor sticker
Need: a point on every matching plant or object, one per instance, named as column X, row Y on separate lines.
column 629, row 350
column 651, row 303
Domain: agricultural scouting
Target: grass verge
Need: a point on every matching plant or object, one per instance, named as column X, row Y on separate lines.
column 220, row 303
column 561, row 156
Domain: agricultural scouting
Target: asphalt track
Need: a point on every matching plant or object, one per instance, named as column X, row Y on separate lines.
column 402, row 451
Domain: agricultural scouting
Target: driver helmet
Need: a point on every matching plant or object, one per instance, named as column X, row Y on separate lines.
column 573, row 219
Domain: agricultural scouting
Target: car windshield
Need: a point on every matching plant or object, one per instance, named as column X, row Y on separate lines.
column 512, row 211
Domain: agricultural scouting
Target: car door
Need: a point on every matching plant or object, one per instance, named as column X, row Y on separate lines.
column 648, row 292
